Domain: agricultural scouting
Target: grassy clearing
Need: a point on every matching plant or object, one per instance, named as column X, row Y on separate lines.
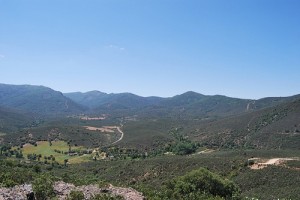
column 44, row 148
column 2, row 134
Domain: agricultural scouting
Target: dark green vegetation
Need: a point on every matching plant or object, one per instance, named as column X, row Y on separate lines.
column 99, row 100
column 201, row 184
column 76, row 195
column 189, row 105
column 12, row 120
column 271, row 128
column 43, row 186
column 156, row 176
column 165, row 139
column 38, row 100
column 43, row 101
column 70, row 130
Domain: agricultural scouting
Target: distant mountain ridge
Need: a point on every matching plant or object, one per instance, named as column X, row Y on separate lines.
column 213, row 120
column 96, row 99
column 38, row 100
column 45, row 101
column 186, row 105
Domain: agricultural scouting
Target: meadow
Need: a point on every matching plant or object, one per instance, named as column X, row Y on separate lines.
column 44, row 149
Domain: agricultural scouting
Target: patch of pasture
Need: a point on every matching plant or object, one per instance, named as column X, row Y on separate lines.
column 58, row 150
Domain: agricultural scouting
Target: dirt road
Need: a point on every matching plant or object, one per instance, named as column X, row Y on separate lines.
column 122, row 135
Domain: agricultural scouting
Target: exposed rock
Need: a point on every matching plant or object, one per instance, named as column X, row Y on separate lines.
column 62, row 191
column 18, row 192
column 127, row 193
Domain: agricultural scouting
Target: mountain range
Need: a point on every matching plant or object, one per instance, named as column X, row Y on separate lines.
column 46, row 102
column 214, row 120
column 37, row 100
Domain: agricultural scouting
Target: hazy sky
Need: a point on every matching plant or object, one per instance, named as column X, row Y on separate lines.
column 238, row 48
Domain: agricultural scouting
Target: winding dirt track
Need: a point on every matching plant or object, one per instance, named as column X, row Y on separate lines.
column 122, row 135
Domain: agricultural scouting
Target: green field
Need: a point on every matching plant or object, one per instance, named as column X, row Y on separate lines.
column 44, row 148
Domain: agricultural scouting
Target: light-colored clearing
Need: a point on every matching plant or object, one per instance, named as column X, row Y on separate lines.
column 268, row 162
column 206, row 151
column 92, row 118
column 104, row 129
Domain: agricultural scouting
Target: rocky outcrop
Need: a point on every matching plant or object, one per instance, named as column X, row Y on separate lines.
column 62, row 191
column 18, row 192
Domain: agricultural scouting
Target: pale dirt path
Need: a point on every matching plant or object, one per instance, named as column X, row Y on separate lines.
column 108, row 129
column 66, row 104
column 248, row 105
column 122, row 135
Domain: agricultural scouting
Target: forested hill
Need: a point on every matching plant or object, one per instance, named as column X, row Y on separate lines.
column 44, row 101
column 97, row 100
column 11, row 120
column 186, row 105
column 276, row 127
column 38, row 100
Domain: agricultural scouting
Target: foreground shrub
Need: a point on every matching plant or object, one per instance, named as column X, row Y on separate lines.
column 201, row 184
column 76, row 195
column 43, row 187
column 107, row 197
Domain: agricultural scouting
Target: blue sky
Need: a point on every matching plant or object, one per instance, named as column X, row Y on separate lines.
column 246, row 49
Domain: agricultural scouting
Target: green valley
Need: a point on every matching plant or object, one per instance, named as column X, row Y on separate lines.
column 165, row 148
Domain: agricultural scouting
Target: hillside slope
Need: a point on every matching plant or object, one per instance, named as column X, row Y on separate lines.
column 194, row 105
column 11, row 120
column 190, row 105
column 110, row 102
column 275, row 127
column 90, row 99
column 39, row 100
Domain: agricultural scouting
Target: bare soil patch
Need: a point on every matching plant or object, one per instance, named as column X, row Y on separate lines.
column 104, row 129
column 262, row 163
column 92, row 118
